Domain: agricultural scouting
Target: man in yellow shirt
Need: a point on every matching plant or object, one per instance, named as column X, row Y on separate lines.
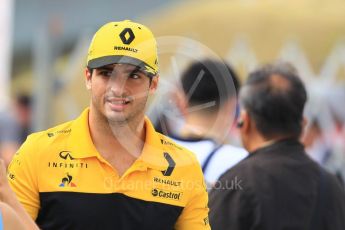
column 109, row 168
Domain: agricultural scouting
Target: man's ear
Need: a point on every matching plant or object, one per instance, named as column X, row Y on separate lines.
column 154, row 84
column 244, row 121
column 88, row 76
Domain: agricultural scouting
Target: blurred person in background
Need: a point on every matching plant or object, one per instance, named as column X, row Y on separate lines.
column 207, row 100
column 14, row 126
column 109, row 168
column 324, row 137
column 278, row 186
column 329, row 153
column 23, row 109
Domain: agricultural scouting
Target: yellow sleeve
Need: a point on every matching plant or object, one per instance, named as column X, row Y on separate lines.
column 22, row 176
column 195, row 214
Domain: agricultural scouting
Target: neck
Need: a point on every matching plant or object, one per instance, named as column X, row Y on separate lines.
column 261, row 142
column 204, row 126
column 124, row 137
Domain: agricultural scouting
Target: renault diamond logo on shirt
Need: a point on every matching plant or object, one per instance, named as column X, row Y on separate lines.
column 127, row 36
column 171, row 166
column 66, row 154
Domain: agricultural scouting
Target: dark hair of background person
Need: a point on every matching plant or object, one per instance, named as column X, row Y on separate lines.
column 24, row 100
column 209, row 81
column 274, row 97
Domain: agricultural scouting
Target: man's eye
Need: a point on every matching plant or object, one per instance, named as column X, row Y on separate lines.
column 134, row 76
column 105, row 73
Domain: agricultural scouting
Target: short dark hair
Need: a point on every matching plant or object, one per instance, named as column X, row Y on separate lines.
column 274, row 97
column 209, row 81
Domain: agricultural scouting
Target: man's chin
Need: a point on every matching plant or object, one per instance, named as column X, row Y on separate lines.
column 116, row 117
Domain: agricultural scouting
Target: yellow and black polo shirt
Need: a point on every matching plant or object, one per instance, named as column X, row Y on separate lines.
column 64, row 183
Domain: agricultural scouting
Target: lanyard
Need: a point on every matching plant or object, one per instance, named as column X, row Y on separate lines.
column 209, row 157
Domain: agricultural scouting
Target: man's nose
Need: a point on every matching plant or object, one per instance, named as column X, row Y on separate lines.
column 117, row 83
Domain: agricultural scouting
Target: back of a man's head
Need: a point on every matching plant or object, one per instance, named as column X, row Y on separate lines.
column 210, row 83
column 274, row 97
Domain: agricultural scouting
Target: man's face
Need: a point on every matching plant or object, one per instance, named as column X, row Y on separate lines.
column 119, row 92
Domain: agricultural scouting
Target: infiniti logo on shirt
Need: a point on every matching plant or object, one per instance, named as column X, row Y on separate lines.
column 66, row 154
column 68, row 161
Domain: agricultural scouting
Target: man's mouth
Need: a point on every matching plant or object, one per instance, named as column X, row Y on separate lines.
column 117, row 104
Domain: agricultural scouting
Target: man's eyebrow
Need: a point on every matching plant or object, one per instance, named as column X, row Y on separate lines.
column 136, row 70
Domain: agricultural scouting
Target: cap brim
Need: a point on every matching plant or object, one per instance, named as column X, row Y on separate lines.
column 120, row 59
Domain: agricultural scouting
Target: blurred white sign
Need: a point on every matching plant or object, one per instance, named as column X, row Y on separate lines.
column 6, row 23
